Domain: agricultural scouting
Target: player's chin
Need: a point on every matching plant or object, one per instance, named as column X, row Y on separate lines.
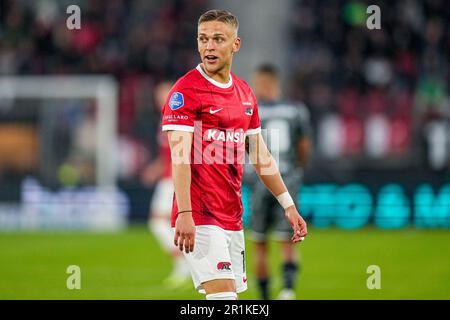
column 211, row 66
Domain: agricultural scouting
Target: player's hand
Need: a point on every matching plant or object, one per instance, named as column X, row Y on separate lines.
column 185, row 232
column 297, row 223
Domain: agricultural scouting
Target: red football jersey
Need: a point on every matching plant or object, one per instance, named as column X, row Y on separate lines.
column 220, row 116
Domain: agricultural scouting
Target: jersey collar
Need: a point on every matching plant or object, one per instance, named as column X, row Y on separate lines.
column 214, row 82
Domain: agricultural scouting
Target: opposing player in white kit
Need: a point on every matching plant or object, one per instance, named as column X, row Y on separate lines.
column 211, row 117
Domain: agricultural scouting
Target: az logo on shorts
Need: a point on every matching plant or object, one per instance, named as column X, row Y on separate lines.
column 224, row 266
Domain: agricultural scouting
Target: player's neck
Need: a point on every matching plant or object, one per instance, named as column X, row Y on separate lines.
column 223, row 76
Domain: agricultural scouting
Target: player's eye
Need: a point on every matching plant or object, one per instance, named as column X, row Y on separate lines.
column 203, row 39
column 218, row 40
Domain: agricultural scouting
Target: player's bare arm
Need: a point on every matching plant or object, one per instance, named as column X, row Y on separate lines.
column 180, row 146
column 267, row 171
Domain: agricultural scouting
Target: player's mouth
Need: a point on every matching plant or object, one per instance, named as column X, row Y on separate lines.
column 211, row 58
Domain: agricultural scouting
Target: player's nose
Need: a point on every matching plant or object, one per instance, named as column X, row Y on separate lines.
column 210, row 45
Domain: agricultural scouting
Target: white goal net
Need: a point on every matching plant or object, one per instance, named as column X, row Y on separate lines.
column 58, row 153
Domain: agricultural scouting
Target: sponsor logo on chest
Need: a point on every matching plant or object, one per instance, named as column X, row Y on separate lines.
column 225, row 136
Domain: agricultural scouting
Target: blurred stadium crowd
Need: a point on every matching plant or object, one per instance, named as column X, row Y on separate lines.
column 139, row 42
column 373, row 94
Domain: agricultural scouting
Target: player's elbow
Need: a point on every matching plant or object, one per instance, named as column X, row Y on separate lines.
column 267, row 167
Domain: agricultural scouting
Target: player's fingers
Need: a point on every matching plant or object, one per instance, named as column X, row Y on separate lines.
column 303, row 228
column 186, row 244
column 181, row 242
column 296, row 228
column 295, row 238
column 298, row 236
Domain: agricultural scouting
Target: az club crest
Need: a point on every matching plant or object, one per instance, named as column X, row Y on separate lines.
column 224, row 266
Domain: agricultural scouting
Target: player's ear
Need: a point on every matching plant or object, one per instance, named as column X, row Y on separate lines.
column 236, row 44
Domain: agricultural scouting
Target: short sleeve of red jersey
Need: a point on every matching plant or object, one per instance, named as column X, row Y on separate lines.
column 255, row 125
column 180, row 110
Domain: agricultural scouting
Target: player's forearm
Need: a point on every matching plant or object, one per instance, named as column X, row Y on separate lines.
column 271, row 178
column 181, row 175
column 265, row 166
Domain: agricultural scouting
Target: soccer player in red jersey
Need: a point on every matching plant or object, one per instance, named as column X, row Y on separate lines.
column 211, row 117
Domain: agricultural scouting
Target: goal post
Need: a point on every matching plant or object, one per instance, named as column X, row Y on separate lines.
column 98, row 204
column 102, row 88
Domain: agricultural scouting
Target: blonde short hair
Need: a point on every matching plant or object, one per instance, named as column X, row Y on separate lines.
column 220, row 15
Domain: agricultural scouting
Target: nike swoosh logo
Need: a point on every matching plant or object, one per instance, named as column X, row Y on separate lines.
column 214, row 111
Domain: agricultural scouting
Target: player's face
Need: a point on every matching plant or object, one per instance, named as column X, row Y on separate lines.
column 217, row 42
column 266, row 87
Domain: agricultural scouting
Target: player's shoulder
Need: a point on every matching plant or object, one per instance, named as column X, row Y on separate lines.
column 188, row 80
column 184, row 90
column 241, row 82
column 245, row 87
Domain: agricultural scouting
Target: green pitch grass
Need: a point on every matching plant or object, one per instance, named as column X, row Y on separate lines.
column 415, row 264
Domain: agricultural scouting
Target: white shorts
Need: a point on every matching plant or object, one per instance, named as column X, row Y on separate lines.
column 163, row 197
column 218, row 254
